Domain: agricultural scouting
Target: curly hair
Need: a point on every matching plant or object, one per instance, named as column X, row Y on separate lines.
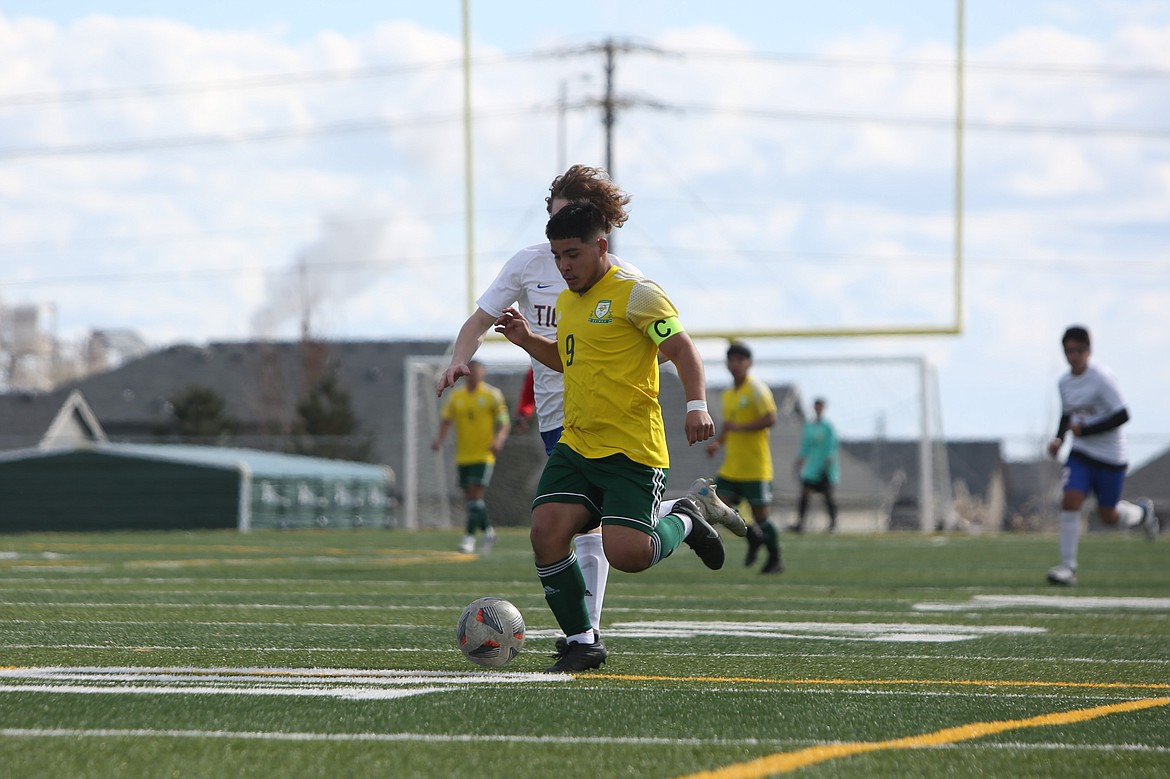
column 582, row 182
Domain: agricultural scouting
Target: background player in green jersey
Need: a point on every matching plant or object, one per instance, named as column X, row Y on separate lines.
column 749, row 412
column 818, row 465
column 479, row 414
column 611, row 463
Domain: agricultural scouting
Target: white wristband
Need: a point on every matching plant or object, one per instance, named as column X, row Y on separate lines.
column 696, row 405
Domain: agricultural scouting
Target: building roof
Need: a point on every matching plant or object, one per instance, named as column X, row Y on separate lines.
column 261, row 384
column 259, row 464
column 31, row 420
column 1152, row 480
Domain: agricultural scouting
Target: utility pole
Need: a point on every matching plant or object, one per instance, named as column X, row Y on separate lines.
column 608, row 106
column 468, row 164
column 611, row 102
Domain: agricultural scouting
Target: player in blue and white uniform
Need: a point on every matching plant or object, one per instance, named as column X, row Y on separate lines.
column 1093, row 410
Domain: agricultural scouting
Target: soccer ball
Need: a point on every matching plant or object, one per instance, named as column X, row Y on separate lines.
column 490, row 631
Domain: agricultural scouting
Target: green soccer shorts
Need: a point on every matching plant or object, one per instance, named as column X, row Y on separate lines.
column 615, row 489
column 475, row 473
column 757, row 493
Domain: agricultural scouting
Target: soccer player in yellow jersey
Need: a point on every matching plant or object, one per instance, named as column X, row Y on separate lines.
column 611, row 463
column 749, row 412
column 480, row 416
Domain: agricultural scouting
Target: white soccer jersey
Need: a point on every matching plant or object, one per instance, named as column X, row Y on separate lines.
column 530, row 279
column 1089, row 398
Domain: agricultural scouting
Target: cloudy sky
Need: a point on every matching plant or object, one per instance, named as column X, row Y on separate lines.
column 220, row 171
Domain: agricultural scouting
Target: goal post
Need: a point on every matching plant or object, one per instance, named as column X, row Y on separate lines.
column 421, row 413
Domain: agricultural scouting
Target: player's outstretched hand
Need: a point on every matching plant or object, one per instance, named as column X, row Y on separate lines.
column 513, row 326
column 451, row 375
column 1054, row 447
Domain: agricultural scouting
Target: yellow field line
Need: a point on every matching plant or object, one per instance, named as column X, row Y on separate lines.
column 847, row 682
column 783, row 762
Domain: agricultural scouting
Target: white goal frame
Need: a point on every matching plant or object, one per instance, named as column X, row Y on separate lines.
column 936, row 509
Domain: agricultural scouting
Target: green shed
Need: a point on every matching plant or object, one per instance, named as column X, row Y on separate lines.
column 182, row 487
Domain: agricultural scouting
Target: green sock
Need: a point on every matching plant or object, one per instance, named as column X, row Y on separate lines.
column 771, row 540
column 667, row 535
column 476, row 516
column 564, row 590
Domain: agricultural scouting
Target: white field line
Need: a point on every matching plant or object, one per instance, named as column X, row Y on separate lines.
column 1042, row 659
column 205, row 648
column 752, row 592
column 224, row 623
column 366, row 684
column 315, row 683
column 1060, row 602
column 898, row 632
column 205, row 605
column 467, row 738
column 1059, row 747
column 476, row 738
column 341, row 586
column 1069, row 614
column 293, row 692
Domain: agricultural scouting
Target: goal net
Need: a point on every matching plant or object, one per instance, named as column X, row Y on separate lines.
column 431, row 497
column 885, row 409
column 887, row 416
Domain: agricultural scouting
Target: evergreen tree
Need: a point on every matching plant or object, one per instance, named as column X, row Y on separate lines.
column 326, row 425
column 200, row 413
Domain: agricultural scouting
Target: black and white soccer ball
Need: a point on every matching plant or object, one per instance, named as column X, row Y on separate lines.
column 490, row 631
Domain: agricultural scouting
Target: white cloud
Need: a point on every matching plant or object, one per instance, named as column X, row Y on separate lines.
column 749, row 220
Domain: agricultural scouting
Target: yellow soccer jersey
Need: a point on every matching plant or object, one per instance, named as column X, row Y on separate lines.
column 475, row 416
column 611, row 368
column 747, row 454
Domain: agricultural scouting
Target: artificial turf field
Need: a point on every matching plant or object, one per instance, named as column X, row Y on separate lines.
column 332, row 653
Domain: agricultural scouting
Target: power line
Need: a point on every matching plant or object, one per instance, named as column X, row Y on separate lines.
column 948, row 124
column 261, row 81
column 372, row 72
column 351, row 127
column 1038, row 68
column 375, row 125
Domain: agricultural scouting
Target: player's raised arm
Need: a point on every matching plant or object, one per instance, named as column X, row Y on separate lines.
column 467, row 343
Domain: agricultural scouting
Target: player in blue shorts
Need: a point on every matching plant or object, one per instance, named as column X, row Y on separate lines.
column 1093, row 410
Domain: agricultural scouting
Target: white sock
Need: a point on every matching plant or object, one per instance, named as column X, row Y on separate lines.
column 666, row 507
column 1130, row 514
column 582, row 638
column 1070, row 534
column 595, row 569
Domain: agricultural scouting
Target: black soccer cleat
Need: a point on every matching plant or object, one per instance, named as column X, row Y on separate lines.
column 562, row 645
column 774, row 565
column 704, row 539
column 579, row 657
